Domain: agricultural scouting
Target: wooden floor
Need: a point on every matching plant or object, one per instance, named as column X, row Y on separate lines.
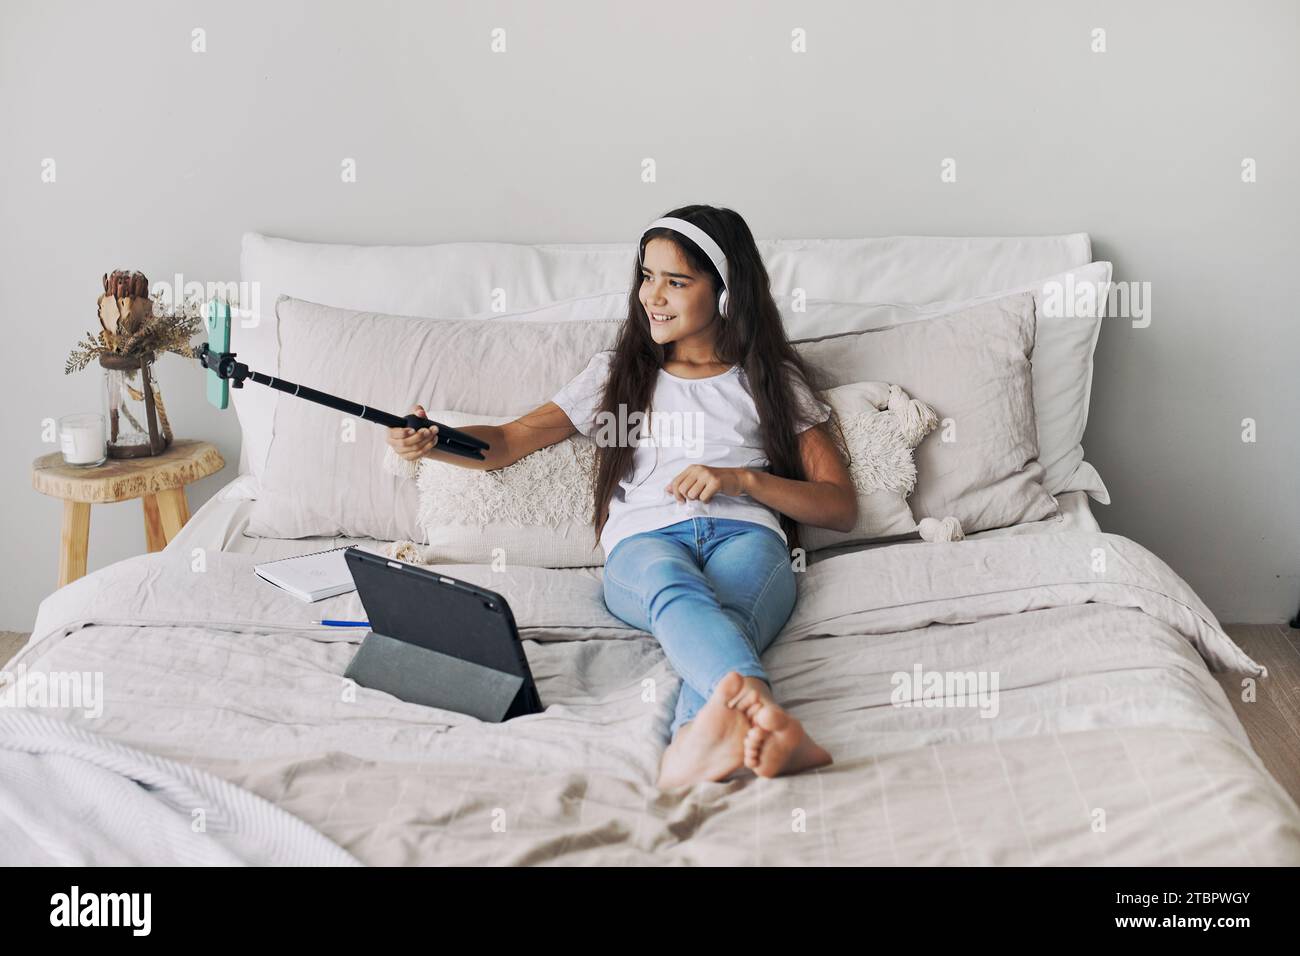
column 1272, row 720
column 11, row 642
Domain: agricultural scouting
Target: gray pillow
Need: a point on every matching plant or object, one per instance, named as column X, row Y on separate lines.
column 973, row 368
column 322, row 476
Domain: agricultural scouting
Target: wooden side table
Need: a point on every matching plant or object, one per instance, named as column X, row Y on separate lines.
column 159, row 481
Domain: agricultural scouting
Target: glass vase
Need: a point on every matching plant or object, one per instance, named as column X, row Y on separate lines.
column 134, row 414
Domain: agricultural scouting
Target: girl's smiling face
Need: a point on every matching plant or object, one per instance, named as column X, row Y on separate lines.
column 670, row 287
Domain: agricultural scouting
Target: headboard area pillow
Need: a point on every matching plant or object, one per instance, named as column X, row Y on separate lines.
column 321, row 477
column 973, row 368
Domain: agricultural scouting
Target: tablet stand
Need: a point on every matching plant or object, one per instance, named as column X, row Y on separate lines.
column 421, row 675
column 449, row 439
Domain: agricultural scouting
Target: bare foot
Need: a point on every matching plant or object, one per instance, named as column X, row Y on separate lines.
column 711, row 745
column 777, row 743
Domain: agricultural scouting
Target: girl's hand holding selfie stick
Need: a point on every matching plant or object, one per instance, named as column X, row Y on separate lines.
column 413, row 442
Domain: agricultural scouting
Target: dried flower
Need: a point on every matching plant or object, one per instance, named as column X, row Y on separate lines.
column 134, row 325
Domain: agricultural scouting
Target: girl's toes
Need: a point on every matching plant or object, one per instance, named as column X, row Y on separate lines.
column 743, row 700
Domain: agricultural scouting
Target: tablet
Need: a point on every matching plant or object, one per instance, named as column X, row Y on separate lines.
column 439, row 641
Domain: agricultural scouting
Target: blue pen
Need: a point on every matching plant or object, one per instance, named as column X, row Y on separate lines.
column 343, row 623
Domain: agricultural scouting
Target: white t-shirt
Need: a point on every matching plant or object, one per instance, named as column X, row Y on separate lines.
column 709, row 421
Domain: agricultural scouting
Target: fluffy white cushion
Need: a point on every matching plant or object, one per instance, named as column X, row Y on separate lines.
column 881, row 427
column 535, row 512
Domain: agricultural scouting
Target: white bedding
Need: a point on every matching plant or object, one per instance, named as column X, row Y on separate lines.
column 71, row 798
column 1112, row 744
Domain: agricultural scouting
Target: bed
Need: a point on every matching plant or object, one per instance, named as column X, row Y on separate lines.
column 226, row 733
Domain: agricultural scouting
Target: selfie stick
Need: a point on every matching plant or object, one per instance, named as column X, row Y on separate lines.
column 449, row 439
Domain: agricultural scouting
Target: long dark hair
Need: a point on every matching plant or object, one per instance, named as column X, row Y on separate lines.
column 752, row 336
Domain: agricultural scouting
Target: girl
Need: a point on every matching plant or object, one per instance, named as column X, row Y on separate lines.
column 697, row 522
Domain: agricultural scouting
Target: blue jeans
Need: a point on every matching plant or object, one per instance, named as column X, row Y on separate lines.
column 714, row 592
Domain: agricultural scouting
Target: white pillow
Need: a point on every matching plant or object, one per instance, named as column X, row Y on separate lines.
column 589, row 281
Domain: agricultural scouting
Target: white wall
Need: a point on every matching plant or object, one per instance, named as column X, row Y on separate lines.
column 165, row 156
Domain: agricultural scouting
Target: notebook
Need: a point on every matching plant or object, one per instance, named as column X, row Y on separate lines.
column 310, row 577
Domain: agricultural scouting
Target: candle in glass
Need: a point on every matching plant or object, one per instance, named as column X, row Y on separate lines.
column 82, row 439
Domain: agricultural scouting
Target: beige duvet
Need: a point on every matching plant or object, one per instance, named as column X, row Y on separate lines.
column 1075, row 720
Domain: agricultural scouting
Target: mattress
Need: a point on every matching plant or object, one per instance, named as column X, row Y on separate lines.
column 1086, row 728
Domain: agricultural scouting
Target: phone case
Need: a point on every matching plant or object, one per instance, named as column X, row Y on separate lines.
column 216, row 316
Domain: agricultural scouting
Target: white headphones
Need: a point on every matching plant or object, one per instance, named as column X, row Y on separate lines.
column 701, row 239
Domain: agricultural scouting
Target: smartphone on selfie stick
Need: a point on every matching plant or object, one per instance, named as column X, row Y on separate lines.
column 216, row 357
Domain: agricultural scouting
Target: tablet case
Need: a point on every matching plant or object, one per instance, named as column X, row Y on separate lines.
column 439, row 641
column 423, row 676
